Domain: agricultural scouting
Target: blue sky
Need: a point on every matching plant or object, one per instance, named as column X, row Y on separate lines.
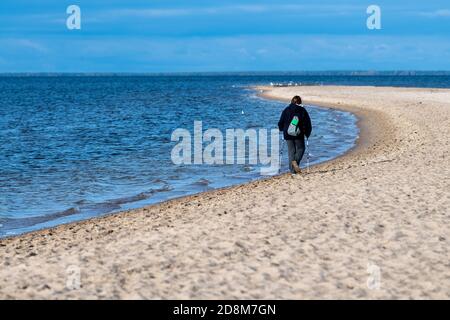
column 233, row 35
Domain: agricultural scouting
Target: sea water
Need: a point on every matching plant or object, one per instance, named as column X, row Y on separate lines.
column 75, row 147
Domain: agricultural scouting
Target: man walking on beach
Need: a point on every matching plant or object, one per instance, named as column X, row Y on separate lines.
column 295, row 124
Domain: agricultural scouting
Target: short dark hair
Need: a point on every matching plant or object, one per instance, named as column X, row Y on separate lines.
column 297, row 100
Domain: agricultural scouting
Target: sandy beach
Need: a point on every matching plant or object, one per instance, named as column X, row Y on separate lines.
column 374, row 223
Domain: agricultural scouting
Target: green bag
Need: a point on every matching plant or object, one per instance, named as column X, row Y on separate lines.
column 294, row 129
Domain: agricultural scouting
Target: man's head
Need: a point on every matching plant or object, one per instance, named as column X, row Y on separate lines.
column 296, row 100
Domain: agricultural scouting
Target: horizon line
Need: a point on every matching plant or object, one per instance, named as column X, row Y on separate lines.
column 240, row 73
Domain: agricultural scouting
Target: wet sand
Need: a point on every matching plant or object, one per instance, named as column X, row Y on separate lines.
column 373, row 223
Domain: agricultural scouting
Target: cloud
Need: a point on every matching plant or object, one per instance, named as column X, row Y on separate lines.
column 437, row 14
column 232, row 9
column 177, row 12
column 149, row 12
column 28, row 44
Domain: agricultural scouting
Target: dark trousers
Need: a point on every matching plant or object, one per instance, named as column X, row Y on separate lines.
column 296, row 149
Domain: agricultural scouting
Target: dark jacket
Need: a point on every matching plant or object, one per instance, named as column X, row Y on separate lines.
column 286, row 118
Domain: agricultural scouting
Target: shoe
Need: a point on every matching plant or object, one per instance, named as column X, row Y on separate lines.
column 296, row 167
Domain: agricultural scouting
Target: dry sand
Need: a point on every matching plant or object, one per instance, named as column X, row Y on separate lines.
column 321, row 235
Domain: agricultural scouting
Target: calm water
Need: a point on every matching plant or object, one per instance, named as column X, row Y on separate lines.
column 78, row 147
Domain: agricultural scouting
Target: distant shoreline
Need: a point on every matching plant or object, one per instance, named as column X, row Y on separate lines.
column 237, row 73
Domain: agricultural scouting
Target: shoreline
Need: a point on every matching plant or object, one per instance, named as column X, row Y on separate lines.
column 303, row 237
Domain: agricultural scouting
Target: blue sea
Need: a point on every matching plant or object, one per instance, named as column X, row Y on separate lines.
column 76, row 147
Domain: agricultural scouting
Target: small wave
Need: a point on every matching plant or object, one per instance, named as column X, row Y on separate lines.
column 100, row 208
column 15, row 223
column 201, row 182
column 139, row 197
column 159, row 181
column 252, row 126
